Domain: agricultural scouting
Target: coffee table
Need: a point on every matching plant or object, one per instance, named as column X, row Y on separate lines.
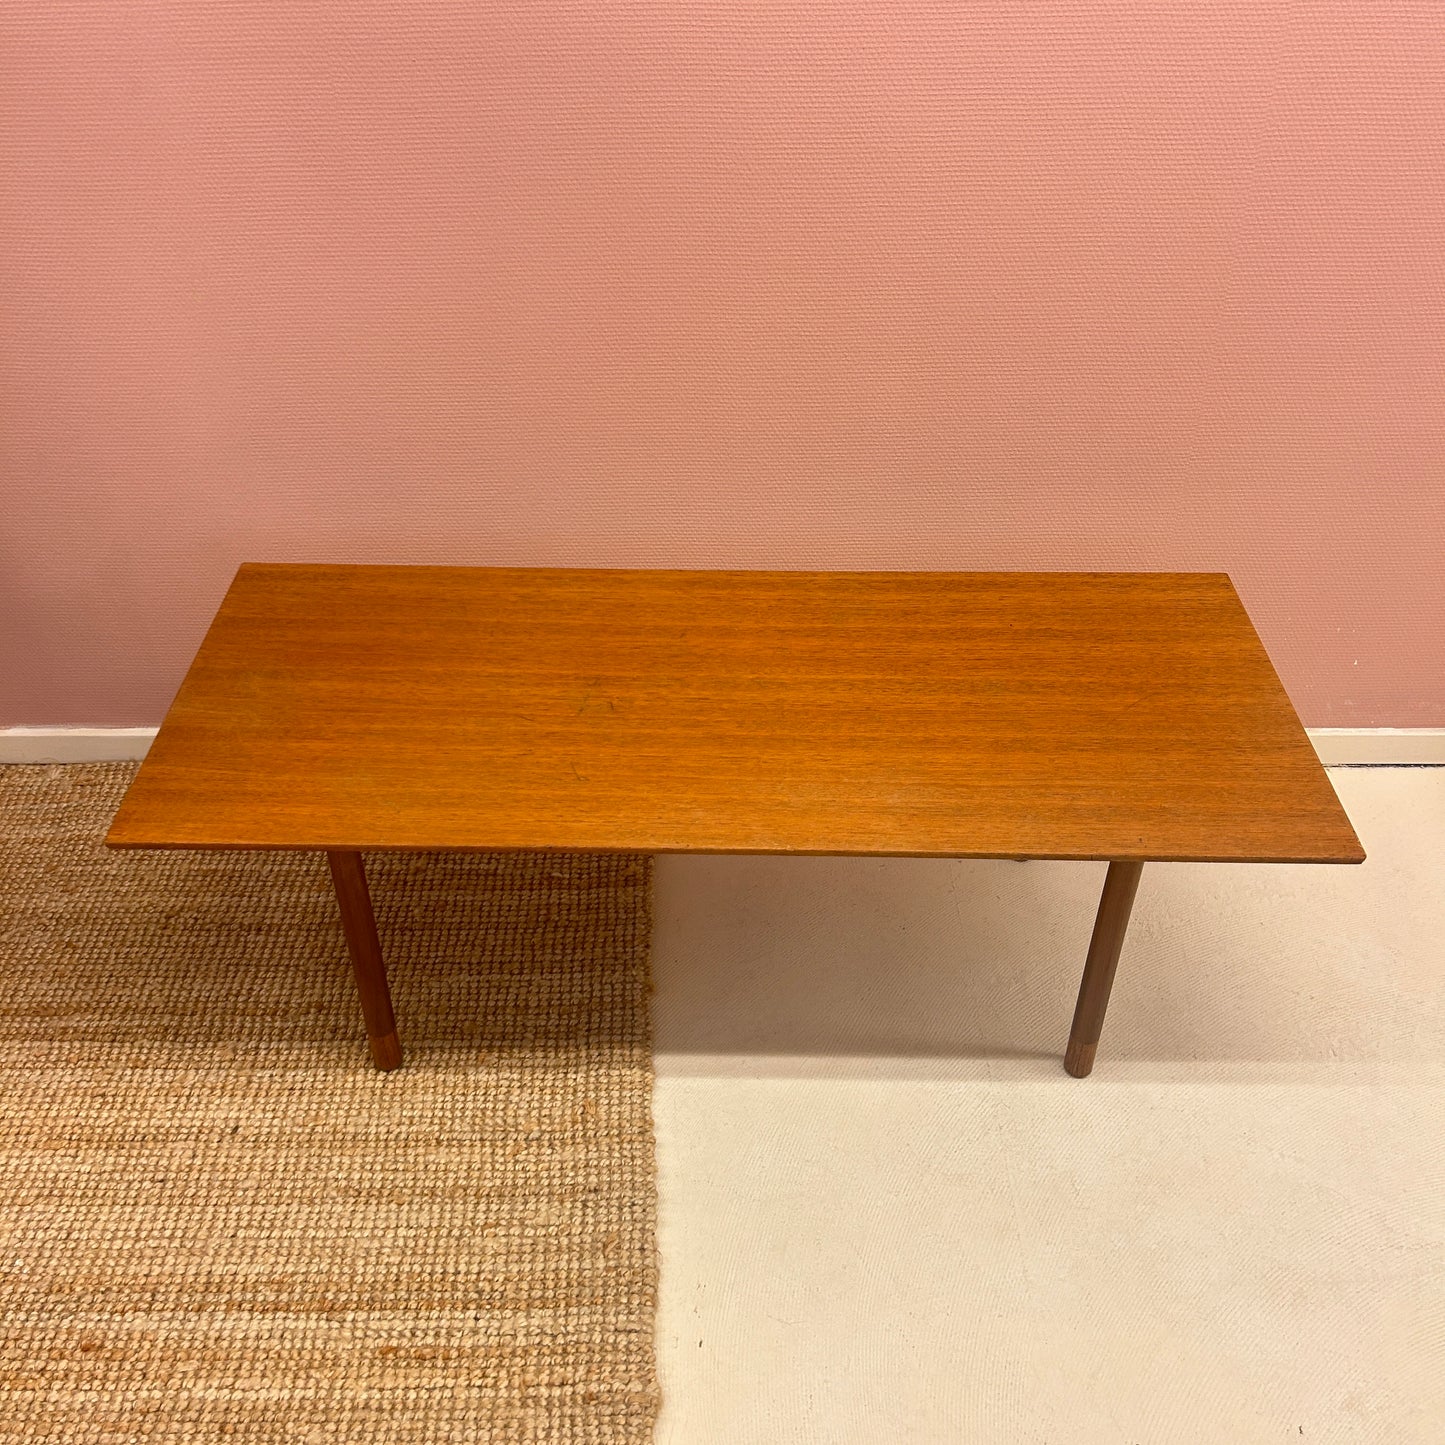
column 1121, row 717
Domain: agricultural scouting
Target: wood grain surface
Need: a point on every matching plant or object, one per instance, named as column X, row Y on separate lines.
column 1058, row 715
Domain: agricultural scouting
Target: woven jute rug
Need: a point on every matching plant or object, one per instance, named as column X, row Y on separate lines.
column 218, row 1221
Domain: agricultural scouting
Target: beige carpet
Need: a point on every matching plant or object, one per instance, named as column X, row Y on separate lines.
column 218, row 1221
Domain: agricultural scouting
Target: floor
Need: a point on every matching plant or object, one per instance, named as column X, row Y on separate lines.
column 888, row 1214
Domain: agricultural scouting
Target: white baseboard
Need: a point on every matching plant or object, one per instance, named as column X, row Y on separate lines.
column 74, row 745
column 1379, row 747
column 1337, row 747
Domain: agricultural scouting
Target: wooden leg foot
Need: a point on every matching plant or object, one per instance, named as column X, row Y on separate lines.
column 359, row 923
column 385, row 1051
column 1120, row 886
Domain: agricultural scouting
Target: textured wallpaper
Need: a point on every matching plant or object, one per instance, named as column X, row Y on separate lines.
column 1086, row 285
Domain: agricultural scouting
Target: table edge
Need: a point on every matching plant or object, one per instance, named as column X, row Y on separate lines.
column 131, row 845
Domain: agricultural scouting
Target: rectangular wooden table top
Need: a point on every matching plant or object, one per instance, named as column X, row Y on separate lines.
column 1042, row 715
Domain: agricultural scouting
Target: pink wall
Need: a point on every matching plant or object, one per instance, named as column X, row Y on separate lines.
column 1100, row 284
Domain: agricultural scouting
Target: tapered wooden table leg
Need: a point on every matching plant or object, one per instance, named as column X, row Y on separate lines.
column 1120, row 886
column 360, row 925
